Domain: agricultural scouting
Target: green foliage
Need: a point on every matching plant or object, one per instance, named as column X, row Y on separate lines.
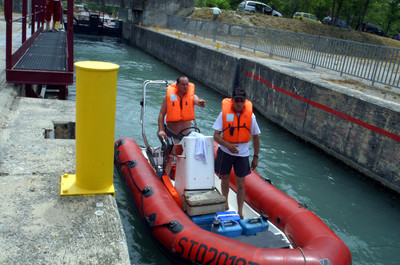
column 235, row 3
column 198, row 3
column 384, row 13
column 223, row 4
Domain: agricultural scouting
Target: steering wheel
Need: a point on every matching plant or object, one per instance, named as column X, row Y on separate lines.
column 181, row 135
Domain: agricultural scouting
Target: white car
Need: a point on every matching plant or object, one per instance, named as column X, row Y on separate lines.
column 258, row 7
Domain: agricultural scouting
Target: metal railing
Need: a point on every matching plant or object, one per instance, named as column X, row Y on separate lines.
column 35, row 18
column 371, row 62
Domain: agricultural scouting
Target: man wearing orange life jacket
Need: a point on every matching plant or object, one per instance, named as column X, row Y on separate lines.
column 178, row 107
column 237, row 124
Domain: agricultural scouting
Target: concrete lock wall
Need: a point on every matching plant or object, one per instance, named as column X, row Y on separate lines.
column 170, row 6
column 342, row 124
column 152, row 12
column 358, row 130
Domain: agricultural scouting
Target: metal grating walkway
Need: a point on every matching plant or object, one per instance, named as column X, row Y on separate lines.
column 47, row 53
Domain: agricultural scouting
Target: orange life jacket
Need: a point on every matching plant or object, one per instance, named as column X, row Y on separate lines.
column 174, row 110
column 236, row 129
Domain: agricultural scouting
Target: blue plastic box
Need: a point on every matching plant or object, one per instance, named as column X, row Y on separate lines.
column 254, row 225
column 204, row 221
column 227, row 228
column 227, row 216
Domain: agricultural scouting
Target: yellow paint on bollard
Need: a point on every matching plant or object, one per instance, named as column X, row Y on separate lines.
column 96, row 91
column 217, row 45
column 179, row 35
column 140, row 24
column 157, row 29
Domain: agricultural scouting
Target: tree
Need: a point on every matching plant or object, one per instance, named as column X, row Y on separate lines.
column 234, row 3
column 337, row 13
column 362, row 14
column 392, row 14
column 385, row 13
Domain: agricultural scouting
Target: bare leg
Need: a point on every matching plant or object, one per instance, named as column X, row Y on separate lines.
column 225, row 188
column 241, row 191
column 168, row 164
column 170, row 159
column 47, row 25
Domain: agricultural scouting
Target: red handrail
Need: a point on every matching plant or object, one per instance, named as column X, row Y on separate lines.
column 37, row 23
column 70, row 35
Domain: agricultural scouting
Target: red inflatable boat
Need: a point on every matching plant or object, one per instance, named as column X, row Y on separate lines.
column 292, row 234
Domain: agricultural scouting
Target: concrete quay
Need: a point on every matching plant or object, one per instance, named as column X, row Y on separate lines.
column 344, row 116
column 37, row 225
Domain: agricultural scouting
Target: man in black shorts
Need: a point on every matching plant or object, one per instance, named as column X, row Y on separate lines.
column 237, row 124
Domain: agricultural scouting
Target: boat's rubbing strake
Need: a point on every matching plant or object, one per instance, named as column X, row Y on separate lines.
column 174, row 226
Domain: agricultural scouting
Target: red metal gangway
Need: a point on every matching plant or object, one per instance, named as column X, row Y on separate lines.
column 45, row 58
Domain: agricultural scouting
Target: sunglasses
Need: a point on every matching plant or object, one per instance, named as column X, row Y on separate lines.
column 239, row 100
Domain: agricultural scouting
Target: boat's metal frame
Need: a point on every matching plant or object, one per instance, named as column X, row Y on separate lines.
column 154, row 155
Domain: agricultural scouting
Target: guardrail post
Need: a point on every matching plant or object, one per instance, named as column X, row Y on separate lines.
column 316, row 46
column 344, row 61
column 292, row 43
column 183, row 22
column 376, row 65
column 96, row 92
column 216, row 30
column 271, row 52
column 205, row 31
column 229, row 33
column 241, row 38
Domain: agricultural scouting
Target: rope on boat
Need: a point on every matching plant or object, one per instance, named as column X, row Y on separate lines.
column 173, row 226
column 129, row 163
column 304, row 256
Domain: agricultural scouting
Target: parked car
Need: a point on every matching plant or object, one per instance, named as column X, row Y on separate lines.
column 396, row 36
column 306, row 17
column 340, row 22
column 374, row 29
column 258, row 7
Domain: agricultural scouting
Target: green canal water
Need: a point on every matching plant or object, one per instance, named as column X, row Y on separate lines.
column 363, row 215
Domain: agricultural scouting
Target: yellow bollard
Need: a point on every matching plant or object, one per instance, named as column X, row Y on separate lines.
column 140, row 24
column 96, row 91
column 179, row 35
column 157, row 29
column 217, row 45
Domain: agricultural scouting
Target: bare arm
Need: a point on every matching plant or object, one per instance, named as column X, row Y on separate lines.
column 218, row 138
column 161, row 128
column 199, row 102
column 256, row 147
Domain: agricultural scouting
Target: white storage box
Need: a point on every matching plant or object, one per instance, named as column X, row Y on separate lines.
column 191, row 173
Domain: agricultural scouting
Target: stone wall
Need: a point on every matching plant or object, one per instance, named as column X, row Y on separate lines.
column 361, row 131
